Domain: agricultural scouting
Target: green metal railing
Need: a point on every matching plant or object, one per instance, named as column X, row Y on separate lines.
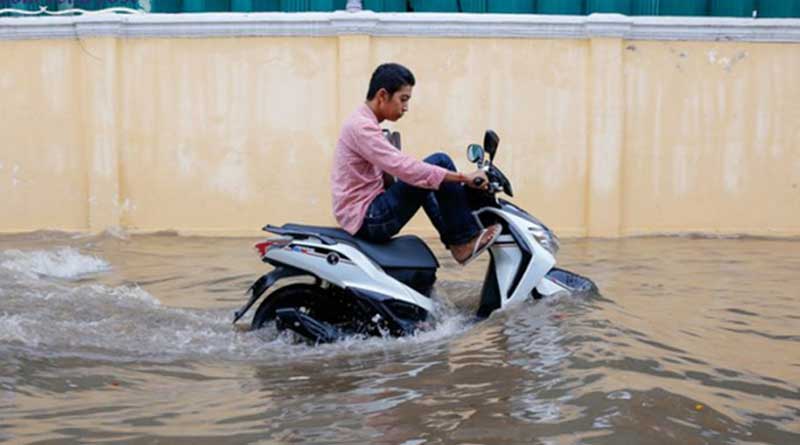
column 246, row 5
column 725, row 8
column 55, row 7
column 720, row 8
column 566, row 7
column 385, row 5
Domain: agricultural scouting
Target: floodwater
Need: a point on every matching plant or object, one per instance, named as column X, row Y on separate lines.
column 128, row 339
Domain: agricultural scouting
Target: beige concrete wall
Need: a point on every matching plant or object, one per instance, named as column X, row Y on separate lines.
column 712, row 138
column 226, row 135
column 600, row 137
column 44, row 178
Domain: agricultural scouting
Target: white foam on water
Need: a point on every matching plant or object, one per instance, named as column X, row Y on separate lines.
column 123, row 293
column 449, row 324
column 109, row 329
column 127, row 323
column 66, row 263
column 619, row 395
column 115, row 232
column 12, row 329
column 57, row 318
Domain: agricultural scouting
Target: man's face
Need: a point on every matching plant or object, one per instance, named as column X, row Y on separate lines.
column 393, row 107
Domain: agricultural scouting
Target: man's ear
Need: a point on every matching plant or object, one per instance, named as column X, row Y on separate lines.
column 383, row 95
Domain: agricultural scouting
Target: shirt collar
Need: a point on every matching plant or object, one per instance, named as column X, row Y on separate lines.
column 367, row 111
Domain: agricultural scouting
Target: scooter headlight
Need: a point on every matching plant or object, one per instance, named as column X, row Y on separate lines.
column 546, row 239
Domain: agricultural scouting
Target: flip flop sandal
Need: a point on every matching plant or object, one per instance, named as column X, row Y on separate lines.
column 481, row 244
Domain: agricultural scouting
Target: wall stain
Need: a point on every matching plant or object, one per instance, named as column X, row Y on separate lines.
column 727, row 63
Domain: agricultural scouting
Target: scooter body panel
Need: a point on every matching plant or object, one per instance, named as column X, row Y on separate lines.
column 547, row 287
column 520, row 261
column 507, row 257
column 346, row 267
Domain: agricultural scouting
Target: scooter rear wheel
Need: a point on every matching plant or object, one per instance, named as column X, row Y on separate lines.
column 305, row 297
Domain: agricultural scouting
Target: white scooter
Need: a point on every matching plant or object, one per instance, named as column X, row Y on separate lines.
column 364, row 288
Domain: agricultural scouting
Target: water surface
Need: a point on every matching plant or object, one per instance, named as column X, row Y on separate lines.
column 128, row 339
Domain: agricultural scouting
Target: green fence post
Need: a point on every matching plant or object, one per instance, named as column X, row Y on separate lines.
column 683, row 7
column 206, row 5
column 294, row 5
column 242, row 5
column 25, row 5
column 645, row 7
column 778, row 8
column 266, row 5
column 385, row 5
column 512, row 6
column 616, row 6
column 473, row 5
column 171, row 6
column 567, row 7
column 326, row 5
column 733, row 8
column 103, row 4
column 435, row 5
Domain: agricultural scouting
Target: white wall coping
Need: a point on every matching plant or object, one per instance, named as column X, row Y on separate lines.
column 401, row 24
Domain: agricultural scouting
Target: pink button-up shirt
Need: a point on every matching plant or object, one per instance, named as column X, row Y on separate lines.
column 362, row 155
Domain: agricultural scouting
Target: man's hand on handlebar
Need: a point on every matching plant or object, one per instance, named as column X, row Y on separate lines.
column 477, row 180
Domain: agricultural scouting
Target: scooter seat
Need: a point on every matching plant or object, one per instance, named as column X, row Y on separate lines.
column 400, row 252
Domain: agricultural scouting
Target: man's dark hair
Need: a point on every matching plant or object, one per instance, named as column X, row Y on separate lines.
column 391, row 77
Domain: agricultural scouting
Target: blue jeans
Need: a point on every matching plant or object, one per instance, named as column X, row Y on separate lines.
column 448, row 209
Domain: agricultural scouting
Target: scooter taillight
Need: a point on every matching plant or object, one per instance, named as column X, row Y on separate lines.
column 264, row 246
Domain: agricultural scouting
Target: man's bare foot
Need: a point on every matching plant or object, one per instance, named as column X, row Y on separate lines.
column 465, row 253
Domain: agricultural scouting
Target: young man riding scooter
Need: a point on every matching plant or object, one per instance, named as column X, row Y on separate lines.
column 361, row 204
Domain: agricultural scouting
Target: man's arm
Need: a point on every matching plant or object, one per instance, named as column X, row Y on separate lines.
column 373, row 146
column 369, row 142
column 468, row 178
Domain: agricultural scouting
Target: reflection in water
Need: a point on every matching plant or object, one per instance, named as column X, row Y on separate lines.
column 128, row 340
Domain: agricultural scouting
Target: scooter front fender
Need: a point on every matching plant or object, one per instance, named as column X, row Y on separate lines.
column 262, row 284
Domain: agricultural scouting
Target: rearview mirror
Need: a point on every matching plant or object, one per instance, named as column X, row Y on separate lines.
column 490, row 142
column 475, row 153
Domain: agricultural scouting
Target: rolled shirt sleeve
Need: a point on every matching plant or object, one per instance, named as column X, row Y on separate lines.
column 373, row 146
